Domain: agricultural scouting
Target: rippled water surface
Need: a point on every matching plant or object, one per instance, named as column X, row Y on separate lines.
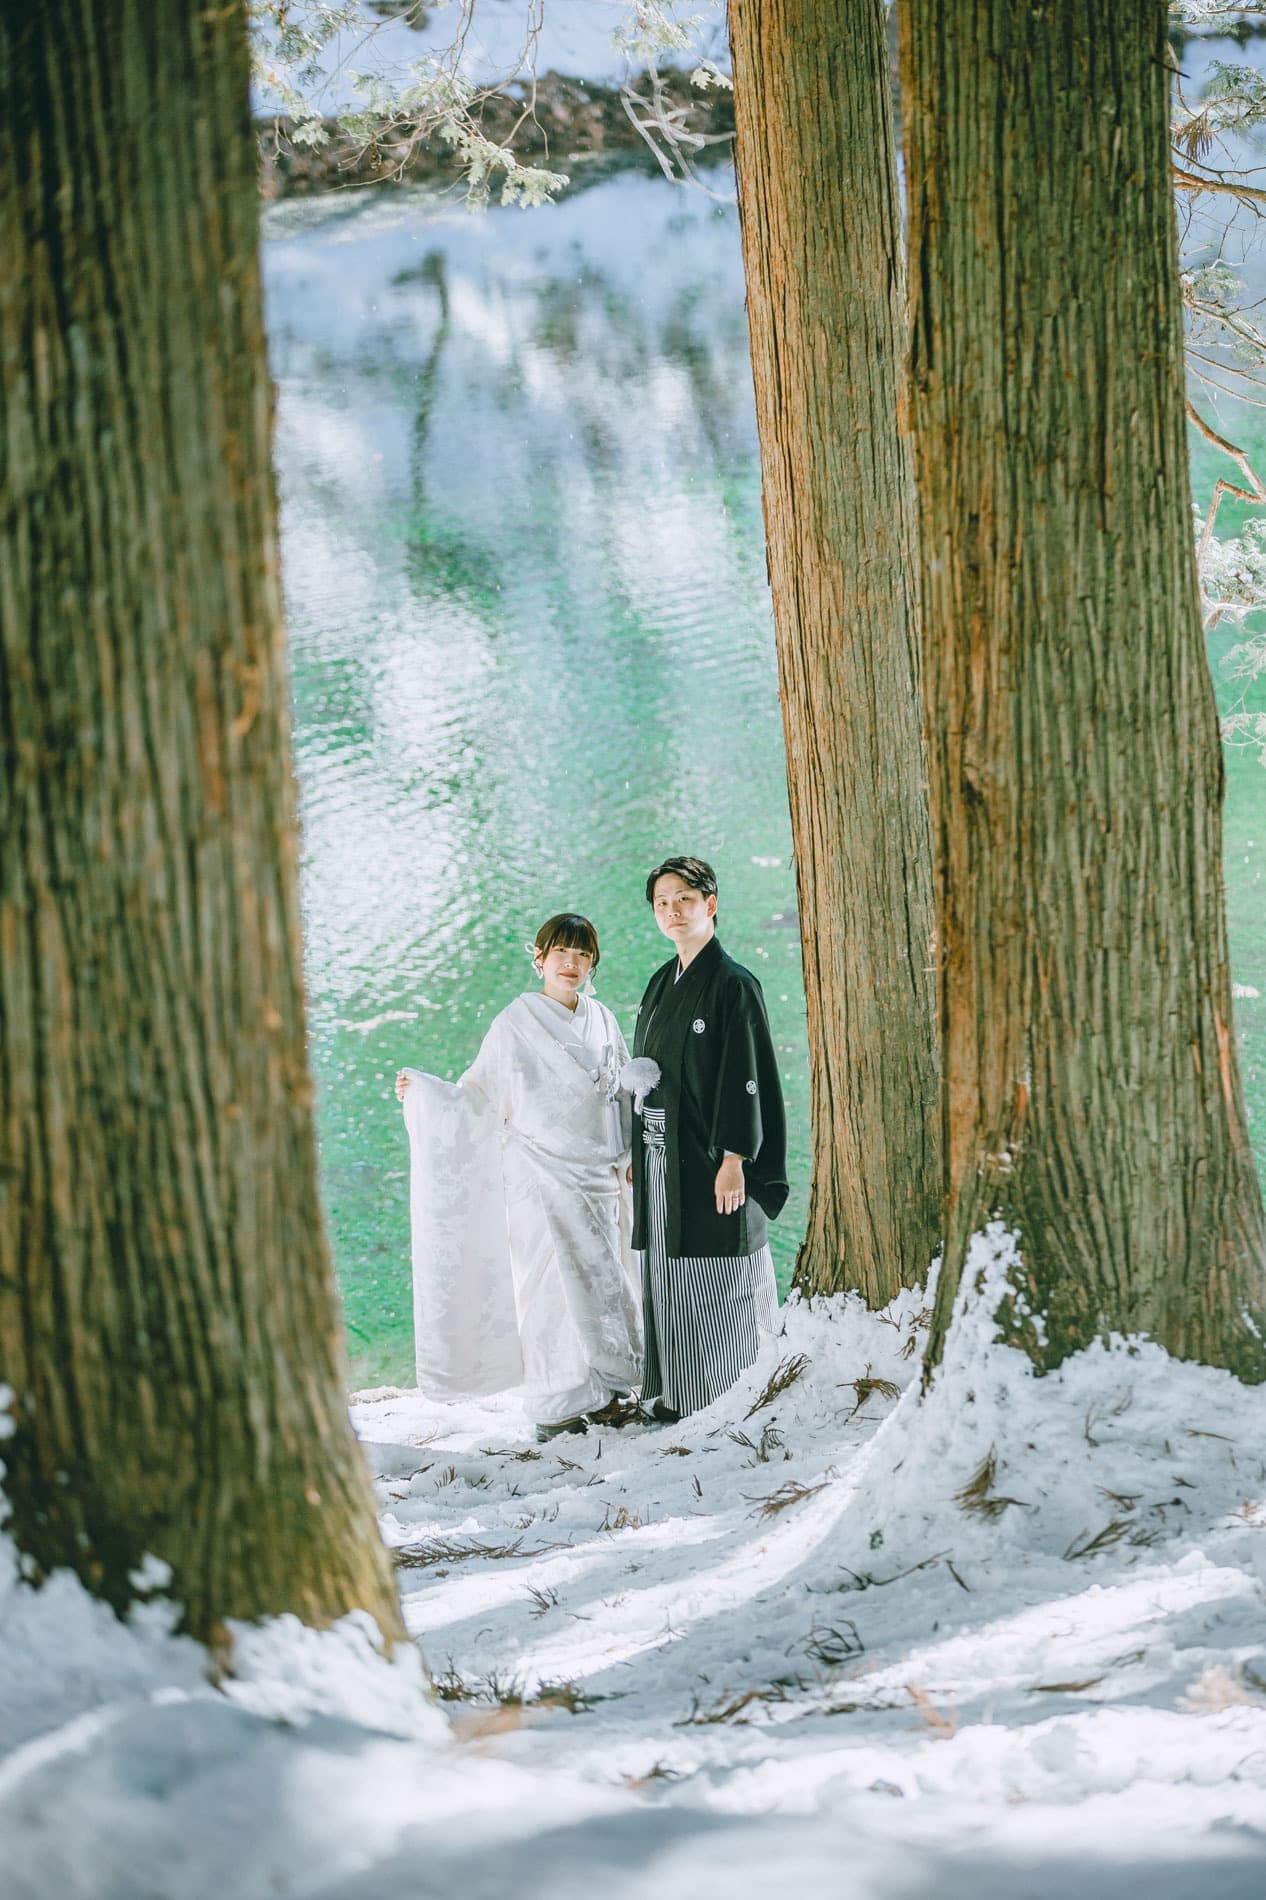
column 531, row 648
column 530, row 642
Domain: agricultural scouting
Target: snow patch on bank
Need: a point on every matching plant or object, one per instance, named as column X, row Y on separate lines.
column 1003, row 1636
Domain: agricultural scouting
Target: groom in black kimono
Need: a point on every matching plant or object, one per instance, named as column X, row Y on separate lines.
column 709, row 1155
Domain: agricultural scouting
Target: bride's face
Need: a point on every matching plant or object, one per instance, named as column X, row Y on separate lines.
column 563, row 972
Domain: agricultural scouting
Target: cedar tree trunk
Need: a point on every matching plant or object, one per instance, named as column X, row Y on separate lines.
column 1091, row 1092
column 168, row 1323
column 822, row 247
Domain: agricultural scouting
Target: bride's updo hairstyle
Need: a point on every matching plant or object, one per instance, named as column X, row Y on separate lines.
column 568, row 931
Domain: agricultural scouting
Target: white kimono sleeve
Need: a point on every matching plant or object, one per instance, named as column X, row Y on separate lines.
column 625, row 1099
column 466, row 1336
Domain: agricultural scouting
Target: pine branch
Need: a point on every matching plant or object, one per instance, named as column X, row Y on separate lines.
column 1217, row 182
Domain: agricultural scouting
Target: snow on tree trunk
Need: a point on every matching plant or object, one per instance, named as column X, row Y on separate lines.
column 822, row 248
column 168, row 1322
column 1091, row 1092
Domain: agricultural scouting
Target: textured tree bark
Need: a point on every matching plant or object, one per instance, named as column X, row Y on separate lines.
column 1091, row 1093
column 822, row 247
column 168, row 1322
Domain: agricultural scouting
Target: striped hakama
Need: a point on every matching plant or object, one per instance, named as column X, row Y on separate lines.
column 705, row 1319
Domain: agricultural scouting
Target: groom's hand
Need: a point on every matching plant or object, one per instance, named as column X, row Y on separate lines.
column 402, row 1083
column 731, row 1189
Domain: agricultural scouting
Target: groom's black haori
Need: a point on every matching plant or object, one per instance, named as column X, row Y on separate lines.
column 720, row 1092
column 708, row 1283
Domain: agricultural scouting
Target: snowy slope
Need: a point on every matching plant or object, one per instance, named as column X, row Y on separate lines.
column 1007, row 1639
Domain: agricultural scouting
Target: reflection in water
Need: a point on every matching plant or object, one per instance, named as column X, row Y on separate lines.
column 531, row 648
column 530, row 641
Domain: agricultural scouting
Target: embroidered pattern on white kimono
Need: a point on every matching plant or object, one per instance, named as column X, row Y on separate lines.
column 523, row 1272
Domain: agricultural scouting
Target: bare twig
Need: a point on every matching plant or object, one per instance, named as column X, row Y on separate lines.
column 978, row 1495
column 865, row 1580
column 793, row 1492
column 1255, row 491
column 438, row 1550
column 1218, row 182
column 834, row 1644
column 785, row 1374
column 734, row 1708
column 663, row 127
column 1084, row 1545
column 1200, row 365
column 942, row 1723
column 868, row 1386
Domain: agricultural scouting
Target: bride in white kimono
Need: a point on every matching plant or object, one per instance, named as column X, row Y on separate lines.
column 521, row 1210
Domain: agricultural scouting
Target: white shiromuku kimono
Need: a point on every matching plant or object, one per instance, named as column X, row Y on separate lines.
column 522, row 1266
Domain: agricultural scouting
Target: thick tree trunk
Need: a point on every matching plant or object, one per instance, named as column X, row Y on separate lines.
column 168, row 1322
column 1091, row 1095
column 822, row 246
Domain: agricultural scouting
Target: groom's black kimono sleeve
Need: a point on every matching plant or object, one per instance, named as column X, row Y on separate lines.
column 748, row 1087
column 720, row 1091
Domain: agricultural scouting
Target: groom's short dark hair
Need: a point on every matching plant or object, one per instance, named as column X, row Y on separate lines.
column 692, row 871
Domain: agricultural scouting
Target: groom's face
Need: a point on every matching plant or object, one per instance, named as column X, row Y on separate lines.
column 682, row 912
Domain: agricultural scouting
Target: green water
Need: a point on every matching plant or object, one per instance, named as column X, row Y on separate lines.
column 532, row 652
column 1207, row 236
column 530, row 644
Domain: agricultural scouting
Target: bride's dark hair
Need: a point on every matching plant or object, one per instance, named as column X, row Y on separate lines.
column 568, row 931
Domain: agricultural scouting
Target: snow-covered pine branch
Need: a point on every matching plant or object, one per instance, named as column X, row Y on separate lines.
column 398, row 108
column 1206, row 14
column 1233, row 586
column 653, row 30
column 1233, row 578
column 307, row 55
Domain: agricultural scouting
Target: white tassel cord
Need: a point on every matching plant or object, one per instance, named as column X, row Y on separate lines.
column 638, row 1077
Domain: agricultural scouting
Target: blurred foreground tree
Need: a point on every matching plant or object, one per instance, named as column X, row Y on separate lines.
column 1091, row 1092
column 823, row 254
column 168, row 1322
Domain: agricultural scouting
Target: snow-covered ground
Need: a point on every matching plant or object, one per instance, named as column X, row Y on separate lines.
column 1008, row 1639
